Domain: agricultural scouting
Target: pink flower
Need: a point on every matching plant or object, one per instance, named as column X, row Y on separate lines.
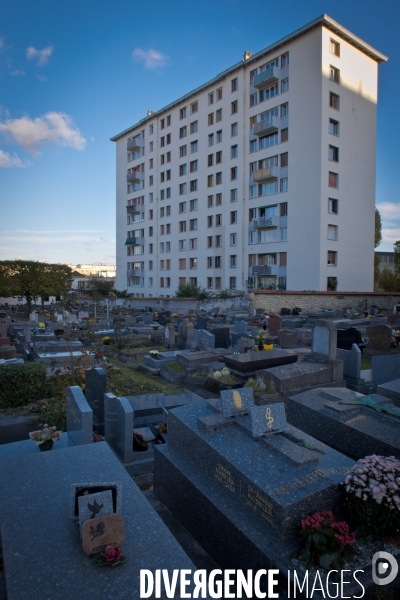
column 112, row 554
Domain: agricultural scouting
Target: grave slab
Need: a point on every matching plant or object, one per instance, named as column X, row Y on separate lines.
column 391, row 390
column 79, row 416
column 118, row 426
column 95, row 388
column 385, row 368
column 249, row 363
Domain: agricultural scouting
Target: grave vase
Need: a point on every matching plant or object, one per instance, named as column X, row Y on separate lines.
column 46, row 446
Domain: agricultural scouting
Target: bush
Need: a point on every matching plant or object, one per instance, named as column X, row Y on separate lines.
column 22, row 384
column 373, row 494
column 192, row 291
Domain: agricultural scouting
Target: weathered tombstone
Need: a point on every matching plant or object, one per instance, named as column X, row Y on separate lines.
column 201, row 322
column 205, row 339
column 324, row 340
column 380, row 338
column 221, row 336
column 79, row 416
column 390, row 389
column 169, row 335
column 240, row 327
column 385, row 368
column 95, row 388
column 274, row 324
column 288, row 338
column 351, row 363
column 118, row 426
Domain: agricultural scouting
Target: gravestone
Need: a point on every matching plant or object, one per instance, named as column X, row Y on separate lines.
column 236, row 402
column 324, row 340
column 99, row 533
column 390, row 389
column 95, row 388
column 268, row 419
column 205, row 339
column 236, row 337
column 118, row 426
column 385, row 368
column 169, row 335
column 288, row 339
column 351, row 364
column 380, row 338
column 201, row 322
column 79, row 416
column 240, row 327
column 93, row 506
column 285, row 311
column 346, row 338
column 394, row 320
column 162, row 318
column 221, row 336
column 274, row 324
column 247, row 364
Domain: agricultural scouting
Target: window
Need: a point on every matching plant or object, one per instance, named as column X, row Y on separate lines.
column 268, row 140
column 234, row 195
column 234, row 85
column 332, row 258
column 150, row 265
column 182, row 264
column 210, row 160
column 169, row 192
column 182, row 113
column 151, row 163
column 232, row 283
column 193, row 185
column 182, row 207
column 218, row 178
column 162, row 123
column 168, row 211
column 162, row 229
column 151, row 147
column 233, row 217
column 182, row 281
column 162, row 212
column 254, row 99
column 333, row 180
column 209, row 282
column 182, row 170
column 285, row 60
column 194, row 107
column 194, row 146
column 162, row 246
column 284, row 184
column 218, row 262
column 211, row 119
column 162, row 265
column 182, row 226
column 150, row 248
column 283, row 234
column 211, row 139
column 333, row 153
column 332, row 232
column 334, row 48
column 285, row 85
column 193, row 244
column 168, row 120
column 193, row 205
column 333, row 206
column 334, row 74
column 210, row 201
column 334, row 101
column 150, row 215
column 192, row 263
column 194, row 127
column 211, row 98
column 218, row 200
column 194, row 166
column 219, row 136
column 182, row 151
column 234, row 172
column 162, row 176
column 182, row 132
column 253, row 145
column 162, row 142
column 218, row 283
column 151, row 129
column 333, row 127
column 219, row 94
column 193, row 224
column 162, row 194
column 234, row 107
column 284, row 135
column 168, row 173
column 210, row 241
column 234, row 129
column 218, row 157
column 210, row 180
column 168, row 138
column 162, row 157
column 182, row 244
column 284, row 159
column 283, row 209
column 233, row 239
column 162, row 282
column 232, row 261
column 182, row 188
column 234, row 151
column 210, row 221
column 218, row 220
column 150, row 231
column 284, row 110
column 167, row 281
column 151, row 197
column 218, row 115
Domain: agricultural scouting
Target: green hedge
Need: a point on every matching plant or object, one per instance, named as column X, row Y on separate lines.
column 22, row 384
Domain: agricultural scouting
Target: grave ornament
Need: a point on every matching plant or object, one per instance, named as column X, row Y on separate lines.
column 371, row 403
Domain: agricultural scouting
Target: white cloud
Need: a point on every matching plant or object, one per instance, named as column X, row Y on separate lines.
column 391, row 235
column 31, row 134
column 7, row 160
column 16, row 73
column 41, row 56
column 152, row 59
column 389, row 210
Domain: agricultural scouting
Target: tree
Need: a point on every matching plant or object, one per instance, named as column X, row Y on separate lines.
column 100, row 287
column 378, row 228
column 388, row 281
column 396, row 258
column 30, row 279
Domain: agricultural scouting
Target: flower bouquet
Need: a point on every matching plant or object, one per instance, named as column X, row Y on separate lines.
column 44, row 438
column 111, row 557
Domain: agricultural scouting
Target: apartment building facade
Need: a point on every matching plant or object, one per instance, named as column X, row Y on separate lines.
column 263, row 177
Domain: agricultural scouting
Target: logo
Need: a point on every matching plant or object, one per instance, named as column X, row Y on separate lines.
column 384, row 564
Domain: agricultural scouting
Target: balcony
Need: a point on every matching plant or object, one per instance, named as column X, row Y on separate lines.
column 266, row 126
column 130, row 241
column 135, row 177
column 266, row 223
column 135, row 144
column 266, row 78
column 263, row 270
column 133, row 210
column 266, row 175
column 135, row 273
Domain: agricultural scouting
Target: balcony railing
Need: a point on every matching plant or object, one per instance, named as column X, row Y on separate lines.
column 131, row 240
column 133, row 210
column 266, row 126
column 262, row 270
column 135, row 144
column 265, row 175
column 266, row 78
column 135, row 177
column 135, row 273
column 266, row 222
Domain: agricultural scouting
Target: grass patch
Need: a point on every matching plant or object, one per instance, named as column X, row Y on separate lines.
column 175, row 366
column 128, row 382
column 366, row 363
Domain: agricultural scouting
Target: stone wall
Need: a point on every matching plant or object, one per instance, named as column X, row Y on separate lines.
column 273, row 301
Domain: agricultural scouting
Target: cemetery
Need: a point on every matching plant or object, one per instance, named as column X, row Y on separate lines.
column 245, row 429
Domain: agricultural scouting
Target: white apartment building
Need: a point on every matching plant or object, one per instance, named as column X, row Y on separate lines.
column 263, row 177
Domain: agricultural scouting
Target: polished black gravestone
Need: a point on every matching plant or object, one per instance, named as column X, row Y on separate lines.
column 337, row 417
column 221, row 336
column 240, row 492
column 249, row 363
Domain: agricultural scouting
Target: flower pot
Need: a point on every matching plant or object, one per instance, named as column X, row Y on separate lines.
column 46, row 446
column 260, row 346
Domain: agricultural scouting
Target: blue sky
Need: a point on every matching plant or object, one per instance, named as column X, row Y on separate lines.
column 73, row 74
